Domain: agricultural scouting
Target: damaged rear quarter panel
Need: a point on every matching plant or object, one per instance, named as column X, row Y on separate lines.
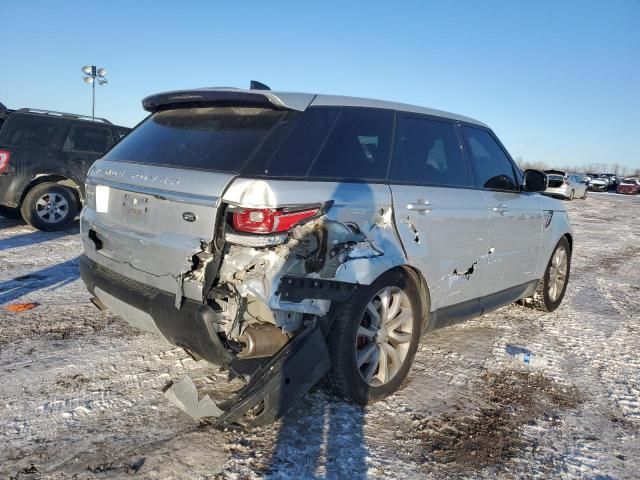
column 361, row 240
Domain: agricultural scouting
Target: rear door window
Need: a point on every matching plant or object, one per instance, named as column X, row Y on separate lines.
column 427, row 152
column 31, row 131
column 291, row 148
column 209, row 138
column 491, row 166
column 357, row 148
column 88, row 138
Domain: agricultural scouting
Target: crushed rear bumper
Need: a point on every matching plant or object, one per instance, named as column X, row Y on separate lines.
column 272, row 388
column 154, row 310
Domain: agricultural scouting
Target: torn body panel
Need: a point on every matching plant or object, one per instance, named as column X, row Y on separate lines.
column 443, row 231
column 352, row 240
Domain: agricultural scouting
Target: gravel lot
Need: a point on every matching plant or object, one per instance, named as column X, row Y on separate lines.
column 81, row 392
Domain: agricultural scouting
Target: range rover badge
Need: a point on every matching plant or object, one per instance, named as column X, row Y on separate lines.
column 189, row 217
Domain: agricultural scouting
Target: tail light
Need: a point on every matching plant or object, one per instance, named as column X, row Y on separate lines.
column 269, row 220
column 5, row 155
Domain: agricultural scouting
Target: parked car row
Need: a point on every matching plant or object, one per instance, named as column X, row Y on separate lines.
column 568, row 186
column 44, row 160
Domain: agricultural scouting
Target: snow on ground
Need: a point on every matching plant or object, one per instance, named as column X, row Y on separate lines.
column 81, row 391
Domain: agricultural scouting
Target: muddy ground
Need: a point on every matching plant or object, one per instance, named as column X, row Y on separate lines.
column 81, row 392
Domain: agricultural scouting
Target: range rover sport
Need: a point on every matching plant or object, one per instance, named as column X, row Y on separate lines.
column 290, row 237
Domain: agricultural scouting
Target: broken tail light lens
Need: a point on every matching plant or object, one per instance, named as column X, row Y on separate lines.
column 5, row 155
column 269, row 220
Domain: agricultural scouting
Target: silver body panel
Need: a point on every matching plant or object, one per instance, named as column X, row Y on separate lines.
column 516, row 223
column 447, row 240
column 143, row 233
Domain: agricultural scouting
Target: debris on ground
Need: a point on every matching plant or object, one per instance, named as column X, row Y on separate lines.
column 184, row 395
column 21, row 307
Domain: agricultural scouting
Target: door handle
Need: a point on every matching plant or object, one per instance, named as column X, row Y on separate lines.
column 501, row 209
column 421, row 206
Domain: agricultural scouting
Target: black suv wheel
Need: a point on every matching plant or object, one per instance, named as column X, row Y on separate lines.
column 49, row 206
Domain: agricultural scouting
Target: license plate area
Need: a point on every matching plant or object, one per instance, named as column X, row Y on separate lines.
column 137, row 209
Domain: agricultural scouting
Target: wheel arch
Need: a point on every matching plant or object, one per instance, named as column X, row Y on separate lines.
column 569, row 238
column 54, row 178
column 420, row 282
column 423, row 287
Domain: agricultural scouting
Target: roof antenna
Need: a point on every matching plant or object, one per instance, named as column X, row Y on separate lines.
column 256, row 85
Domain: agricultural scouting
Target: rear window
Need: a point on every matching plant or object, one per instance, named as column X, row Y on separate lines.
column 30, row 131
column 209, row 138
column 88, row 138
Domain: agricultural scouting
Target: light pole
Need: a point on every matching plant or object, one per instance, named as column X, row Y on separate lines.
column 93, row 74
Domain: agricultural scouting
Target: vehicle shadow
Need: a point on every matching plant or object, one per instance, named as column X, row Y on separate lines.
column 322, row 437
column 37, row 236
column 8, row 221
column 55, row 276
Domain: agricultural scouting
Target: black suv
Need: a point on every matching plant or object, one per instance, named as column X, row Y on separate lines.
column 44, row 159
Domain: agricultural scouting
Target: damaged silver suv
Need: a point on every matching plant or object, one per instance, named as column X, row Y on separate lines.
column 290, row 237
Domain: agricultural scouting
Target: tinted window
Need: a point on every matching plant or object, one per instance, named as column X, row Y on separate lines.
column 358, row 146
column 120, row 132
column 87, row 138
column 491, row 166
column 427, row 152
column 211, row 138
column 30, row 131
column 291, row 148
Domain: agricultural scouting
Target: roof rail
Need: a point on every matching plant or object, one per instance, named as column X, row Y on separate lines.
column 71, row 116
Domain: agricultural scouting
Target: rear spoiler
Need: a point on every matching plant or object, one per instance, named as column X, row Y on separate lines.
column 227, row 96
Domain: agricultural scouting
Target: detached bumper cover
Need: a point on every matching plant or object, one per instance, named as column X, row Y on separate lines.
column 290, row 374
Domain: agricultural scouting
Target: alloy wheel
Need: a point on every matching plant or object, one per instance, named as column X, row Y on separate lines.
column 384, row 336
column 558, row 273
column 52, row 207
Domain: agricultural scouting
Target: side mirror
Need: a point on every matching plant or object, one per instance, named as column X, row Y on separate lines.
column 534, row 181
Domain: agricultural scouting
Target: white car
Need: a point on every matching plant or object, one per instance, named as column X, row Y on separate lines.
column 565, row 185
column 599, row 184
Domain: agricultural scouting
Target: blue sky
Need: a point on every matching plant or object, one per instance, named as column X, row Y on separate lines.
column 558, row 81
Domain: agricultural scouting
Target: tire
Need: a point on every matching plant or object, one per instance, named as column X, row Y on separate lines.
column 345, row 377
column 547, row 300
column 49, row 207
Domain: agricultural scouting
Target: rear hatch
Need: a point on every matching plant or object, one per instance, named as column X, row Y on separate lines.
column 555, row 181
column 152, row 200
